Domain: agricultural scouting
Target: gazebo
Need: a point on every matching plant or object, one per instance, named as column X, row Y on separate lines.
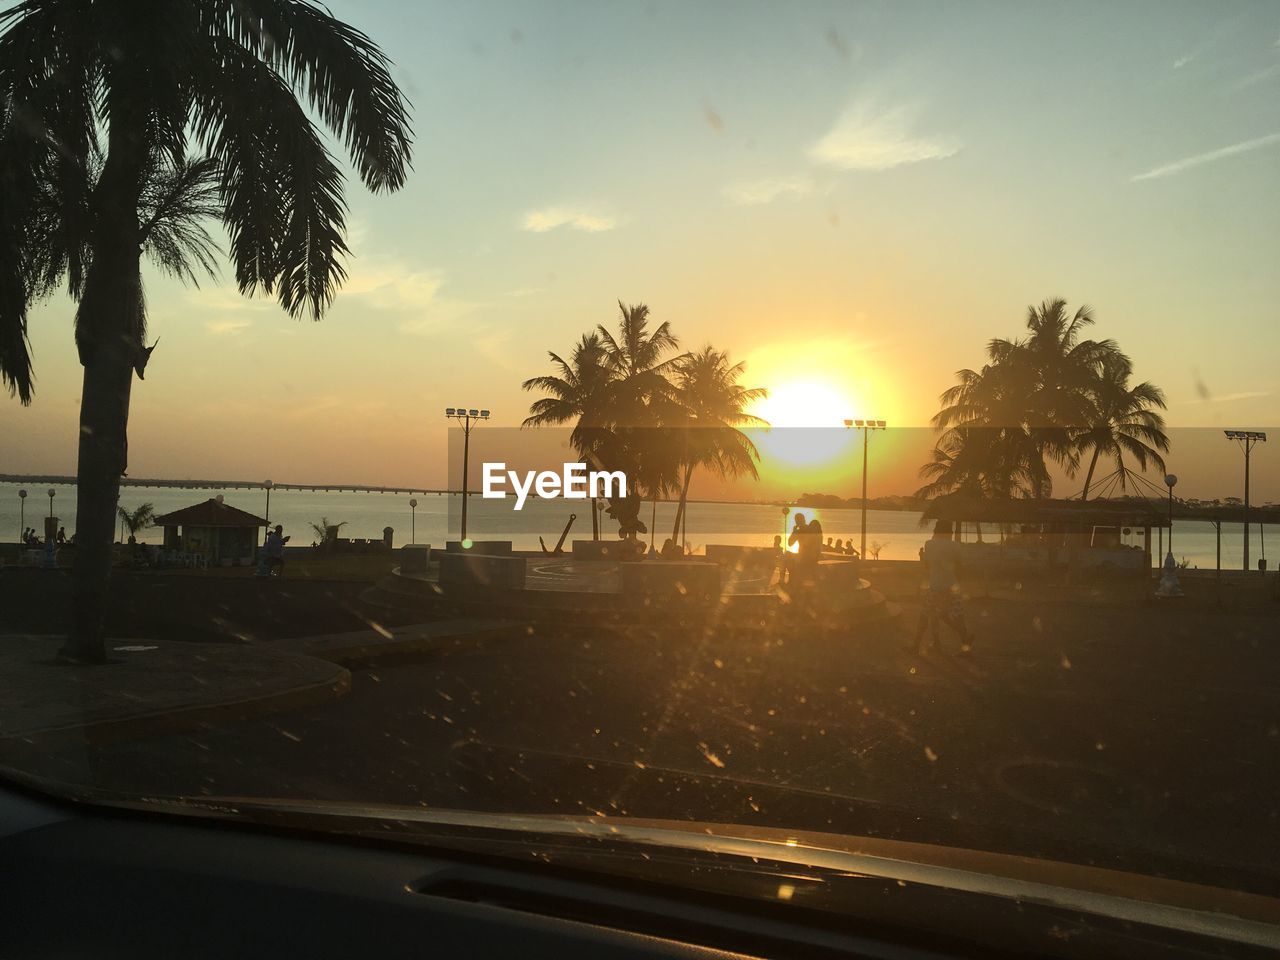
column 1050, row 533
column 220, row 533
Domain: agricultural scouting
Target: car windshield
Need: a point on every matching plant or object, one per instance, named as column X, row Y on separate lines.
column 852, row 418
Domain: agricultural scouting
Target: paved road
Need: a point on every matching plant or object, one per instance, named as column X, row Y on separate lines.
column 1144, row 738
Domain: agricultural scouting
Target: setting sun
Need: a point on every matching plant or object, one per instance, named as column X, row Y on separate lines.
column 805, row 403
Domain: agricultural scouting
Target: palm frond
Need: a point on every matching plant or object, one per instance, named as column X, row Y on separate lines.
column 346, row 78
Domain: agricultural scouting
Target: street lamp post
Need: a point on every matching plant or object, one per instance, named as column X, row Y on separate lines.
column 1169, row 586
column 468, row 417
column 50, row 556
column 22, row 513
column 1247, row 440
column 413, row 520
column 866, row 426
column 268, row 485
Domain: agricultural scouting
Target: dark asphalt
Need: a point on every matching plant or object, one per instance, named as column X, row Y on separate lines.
column 1138, row 738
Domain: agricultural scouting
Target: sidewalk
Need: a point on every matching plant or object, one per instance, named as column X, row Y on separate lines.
column 149, row 684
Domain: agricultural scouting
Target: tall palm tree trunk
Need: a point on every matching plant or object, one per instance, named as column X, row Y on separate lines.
column 108, row 335
column 683, row 504
column 1088, row 477
column 104, row 413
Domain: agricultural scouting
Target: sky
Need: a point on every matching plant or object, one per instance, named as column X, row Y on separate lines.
column 853, row 198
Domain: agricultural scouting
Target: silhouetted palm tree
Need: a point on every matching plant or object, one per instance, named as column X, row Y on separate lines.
column 641, row 403
column 1123, row 420
column 99, row 103
column 983, row 462
column 577, row 392
column 137, row 519
column 713, row 412
column 322, row 527
column 987, row 444
column 1027, row 403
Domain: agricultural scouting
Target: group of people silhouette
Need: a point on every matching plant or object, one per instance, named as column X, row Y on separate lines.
column 806, row 537
column 32, row 540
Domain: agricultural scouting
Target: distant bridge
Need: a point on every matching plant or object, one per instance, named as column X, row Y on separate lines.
column 38, row 481
column 43, row 480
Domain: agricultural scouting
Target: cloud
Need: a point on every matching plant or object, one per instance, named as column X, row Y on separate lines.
column 1257, row 77
column 871, row 138
column 1183, row 61
column 391, row 284
column 758, row 192
column 550, row 218
column 442, row 315
column 228, row 326
column 1178, row 166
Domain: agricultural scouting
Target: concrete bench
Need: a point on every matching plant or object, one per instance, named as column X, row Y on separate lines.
column 482, row 570
column 672, row 580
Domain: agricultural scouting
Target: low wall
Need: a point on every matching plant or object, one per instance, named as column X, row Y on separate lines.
column 603, row 550
column 487, row 548
column 481, row 570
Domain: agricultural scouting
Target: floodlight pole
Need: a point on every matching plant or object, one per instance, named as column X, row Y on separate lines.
column 468, row 417
column 1248, row 447
column 866, row 426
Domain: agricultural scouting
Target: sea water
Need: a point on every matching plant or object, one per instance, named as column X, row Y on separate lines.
column 898, row 534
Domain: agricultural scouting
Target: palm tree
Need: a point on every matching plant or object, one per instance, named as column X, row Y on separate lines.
column 578, row 391
column 1024, row 405
column 713, row 405
column 1124, row 420
column 636, row 355
column 982, row 462
column 136, row 520
column 323, row 527
column 641, row 404
column 1065, row 371
column 616, row 391
column 987, row 444
column 99, row 102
